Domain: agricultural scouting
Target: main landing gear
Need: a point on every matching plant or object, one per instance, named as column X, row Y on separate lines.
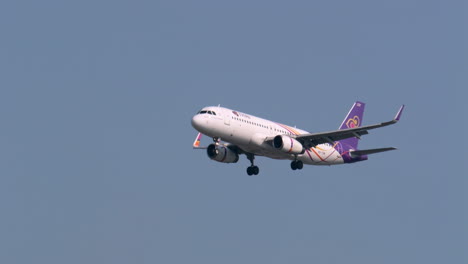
column 252, row 170
column 297, row 165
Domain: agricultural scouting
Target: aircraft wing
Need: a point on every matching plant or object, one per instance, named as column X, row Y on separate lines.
column 313, row 139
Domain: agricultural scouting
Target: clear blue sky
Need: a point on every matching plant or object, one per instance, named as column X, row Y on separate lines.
column 96, row 164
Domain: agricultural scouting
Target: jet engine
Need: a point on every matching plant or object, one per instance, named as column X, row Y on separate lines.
column 288, row 144
column 222, row 154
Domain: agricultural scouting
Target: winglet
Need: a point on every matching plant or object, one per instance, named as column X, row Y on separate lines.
column 196, row 143
column 398, row 115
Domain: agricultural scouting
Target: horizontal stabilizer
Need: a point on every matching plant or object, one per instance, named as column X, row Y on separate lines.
column 356, row 153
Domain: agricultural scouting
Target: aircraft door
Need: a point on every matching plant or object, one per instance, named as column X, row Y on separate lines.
column 227, row 118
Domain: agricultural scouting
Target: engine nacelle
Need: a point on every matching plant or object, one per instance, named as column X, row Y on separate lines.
column 222, row 154
column 288, row 144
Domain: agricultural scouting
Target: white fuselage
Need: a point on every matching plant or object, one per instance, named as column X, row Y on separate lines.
column 249, row 133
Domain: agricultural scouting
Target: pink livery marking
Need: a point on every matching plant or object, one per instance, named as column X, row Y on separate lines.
column 291, row 145
column 353, row 122
column 289, row 129
column 318, row 155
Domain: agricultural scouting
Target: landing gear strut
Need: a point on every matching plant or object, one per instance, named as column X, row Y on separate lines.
column 297, row 165
column 252, row 170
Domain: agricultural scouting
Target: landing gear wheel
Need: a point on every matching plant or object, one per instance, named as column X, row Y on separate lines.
column 256, row 170
column 293, row 165
column 297, row 165
column 253, row 170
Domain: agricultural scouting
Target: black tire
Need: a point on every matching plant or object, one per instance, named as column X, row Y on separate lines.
column 299, row 164
column 255, row 170
column 293, row 165
column 250, row 171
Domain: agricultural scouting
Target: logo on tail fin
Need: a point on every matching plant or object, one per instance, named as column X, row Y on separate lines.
column 353, row 122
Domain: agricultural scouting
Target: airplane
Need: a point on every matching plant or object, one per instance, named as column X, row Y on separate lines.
column 235, row 133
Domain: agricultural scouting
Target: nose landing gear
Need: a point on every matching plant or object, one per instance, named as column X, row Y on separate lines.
column 252, row 170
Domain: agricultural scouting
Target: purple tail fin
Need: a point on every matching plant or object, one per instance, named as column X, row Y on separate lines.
column 352, row 120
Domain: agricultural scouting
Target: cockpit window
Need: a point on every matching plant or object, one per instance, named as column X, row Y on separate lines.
column 206, row 112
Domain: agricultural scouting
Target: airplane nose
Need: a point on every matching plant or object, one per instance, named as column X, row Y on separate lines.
column 197, row 122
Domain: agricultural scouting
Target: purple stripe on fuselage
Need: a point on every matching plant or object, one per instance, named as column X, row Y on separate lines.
column 308, row 153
